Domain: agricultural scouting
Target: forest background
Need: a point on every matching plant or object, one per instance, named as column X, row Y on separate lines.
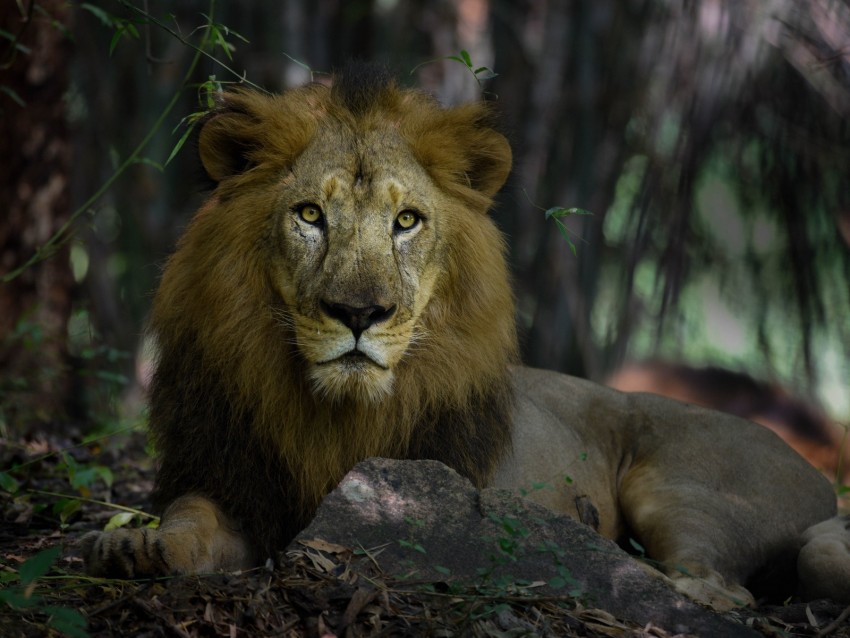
column 709, row 139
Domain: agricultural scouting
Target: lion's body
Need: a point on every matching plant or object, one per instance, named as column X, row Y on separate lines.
column 704, row 489
column 343, row 295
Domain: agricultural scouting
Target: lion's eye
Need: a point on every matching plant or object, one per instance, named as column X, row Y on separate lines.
column 407, row 219
column 310, row 213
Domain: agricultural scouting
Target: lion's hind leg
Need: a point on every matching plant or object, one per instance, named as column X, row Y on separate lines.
column 688, row 534
column 823, row 563
column 195, row 536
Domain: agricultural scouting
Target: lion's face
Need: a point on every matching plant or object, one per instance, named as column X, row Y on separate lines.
column 341, row 294
column 357, row 256
column 346, row 245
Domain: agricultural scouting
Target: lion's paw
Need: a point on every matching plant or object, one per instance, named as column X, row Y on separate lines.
column 125, row 553
column 712, row 590
column 194, row 536
column 824, row 561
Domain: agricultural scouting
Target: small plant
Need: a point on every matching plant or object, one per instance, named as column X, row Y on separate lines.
column 23, row 596
column 410, row 542
column 557, row 213
column 537, row 486
column 480, row 73
column 213, row 36
column 563, row 577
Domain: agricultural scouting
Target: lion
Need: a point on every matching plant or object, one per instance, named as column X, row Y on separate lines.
column 800, row 424
column 342, row 294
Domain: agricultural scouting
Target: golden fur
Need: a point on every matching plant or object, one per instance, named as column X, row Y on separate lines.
column 227, row 317
column 342, row 294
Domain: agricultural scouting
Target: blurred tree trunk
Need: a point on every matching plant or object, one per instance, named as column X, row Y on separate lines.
column 569, row 96
column 35, row 306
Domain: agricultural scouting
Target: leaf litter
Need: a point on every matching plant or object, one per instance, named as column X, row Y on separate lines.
column 314, row 591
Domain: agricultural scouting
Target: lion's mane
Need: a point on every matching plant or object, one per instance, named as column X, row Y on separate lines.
column 233, row 416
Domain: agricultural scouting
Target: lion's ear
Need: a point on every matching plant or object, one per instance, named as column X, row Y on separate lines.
column 490, row 161
column 224, row 143
column 460, row 146
column 250, row 128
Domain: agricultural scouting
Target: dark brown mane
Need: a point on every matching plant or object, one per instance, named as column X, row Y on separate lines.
column 358, row 87
column 232, row 414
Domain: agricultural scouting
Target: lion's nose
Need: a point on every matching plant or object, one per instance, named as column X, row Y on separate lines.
column 357, row 319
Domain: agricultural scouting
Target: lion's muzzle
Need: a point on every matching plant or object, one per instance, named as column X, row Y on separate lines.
column 357, row 319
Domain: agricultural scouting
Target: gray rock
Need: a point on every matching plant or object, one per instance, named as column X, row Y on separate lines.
column 424, row 521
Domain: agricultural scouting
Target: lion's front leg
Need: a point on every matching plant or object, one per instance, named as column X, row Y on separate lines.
column 194, row 536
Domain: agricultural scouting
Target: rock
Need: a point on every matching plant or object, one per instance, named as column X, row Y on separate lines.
column 422, row 520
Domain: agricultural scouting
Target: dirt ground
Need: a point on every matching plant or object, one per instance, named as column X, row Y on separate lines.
column 55, row 490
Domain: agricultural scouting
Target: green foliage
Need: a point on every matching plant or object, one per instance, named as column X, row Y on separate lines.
column 16, row 98
column 557, row 213
column 514, row 533
column 38, row 565
column 480, row 73
column 410, row 542
column 8, row 483
column 213, row 35
column 29, row 336
column 641, row 551
column 512, row 545
column 24, row 597
column 206, row 98
column 219, row 34
column 82, row 476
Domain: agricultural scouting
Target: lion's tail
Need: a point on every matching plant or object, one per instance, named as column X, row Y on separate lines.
column 823, row 564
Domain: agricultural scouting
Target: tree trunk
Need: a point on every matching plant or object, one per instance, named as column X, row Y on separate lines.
column 34, row 145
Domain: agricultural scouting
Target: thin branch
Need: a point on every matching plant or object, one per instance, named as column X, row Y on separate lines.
column 61, row 236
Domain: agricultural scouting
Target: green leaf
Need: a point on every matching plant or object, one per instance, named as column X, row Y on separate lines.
column 83, row 477
column 20, row 48
column 218, row 38
column 105, row 17
column 105, row 474
column 119, row 520
column 637, row 546
column 68, row 621
column 445, row 571
column 111, row 377
column 557, row 582
column 8, row 483
column 122, row 29
column 116, row 38
column 557, row 212
column 132, row 29
column 507, row 545
column 37, row 566
column 16, row 597
column 180, row 144
column 565, row 234
column 7, row 577
column 466, row 59
column 485, row 73
column 149, row 162
column 66, row 508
